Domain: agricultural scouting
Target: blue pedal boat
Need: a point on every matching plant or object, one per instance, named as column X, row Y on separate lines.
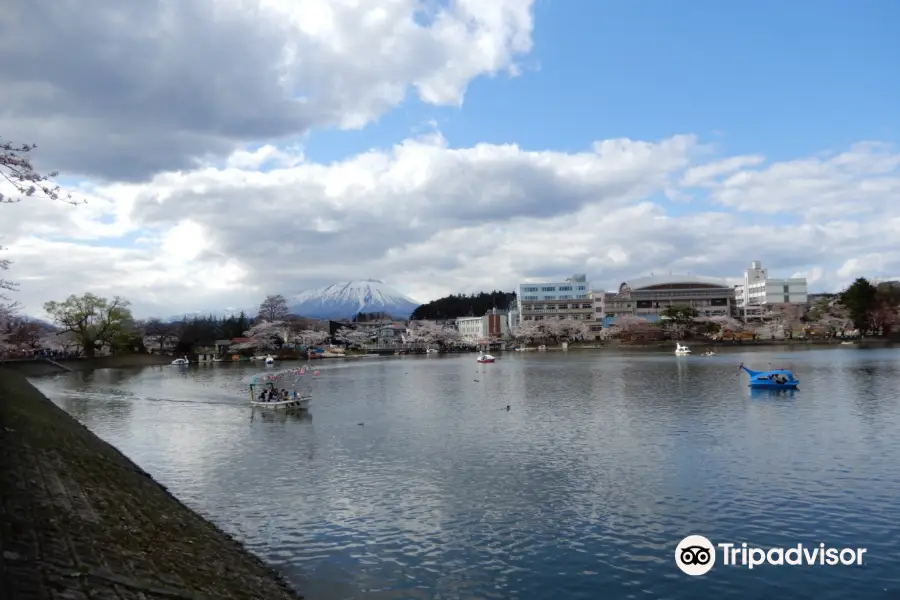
column 777, row 379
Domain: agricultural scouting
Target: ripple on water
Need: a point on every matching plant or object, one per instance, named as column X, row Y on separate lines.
column 603, row 464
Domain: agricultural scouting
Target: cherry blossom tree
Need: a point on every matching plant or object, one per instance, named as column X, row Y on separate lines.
column 352, row 337
column 430, row 333
column 265, row 336
column 310, row 337
column 727, row 323
column 529, row 331
column 565, row 330
column 6, row 325
column 18, row 172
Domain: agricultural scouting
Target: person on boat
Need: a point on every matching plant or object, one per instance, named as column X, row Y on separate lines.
column 262, row 395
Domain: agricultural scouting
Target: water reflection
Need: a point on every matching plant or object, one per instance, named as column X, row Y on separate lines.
column 280, row 416
column 412, row 480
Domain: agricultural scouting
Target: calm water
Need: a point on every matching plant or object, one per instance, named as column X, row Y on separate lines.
column 410, row 479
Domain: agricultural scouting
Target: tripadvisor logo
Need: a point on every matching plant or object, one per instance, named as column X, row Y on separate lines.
column 696, row 555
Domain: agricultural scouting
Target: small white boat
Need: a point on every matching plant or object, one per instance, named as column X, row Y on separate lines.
column 681, row 350
column 485, row 358
column 709, row 353
column 431, row 351
column 848, row 343
column 542, row 348
column 270, row 360
column 180, row 362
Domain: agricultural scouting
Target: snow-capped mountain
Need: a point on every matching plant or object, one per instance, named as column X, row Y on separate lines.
column 341, row 300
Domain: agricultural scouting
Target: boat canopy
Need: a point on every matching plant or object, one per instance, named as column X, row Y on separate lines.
column 286, row 375
column 753, row 373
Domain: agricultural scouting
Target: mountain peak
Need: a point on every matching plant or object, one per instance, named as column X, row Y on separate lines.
column 347, row 298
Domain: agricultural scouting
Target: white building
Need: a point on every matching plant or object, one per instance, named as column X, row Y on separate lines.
column 756, row 296
column 599, row 298
column 512, row 320
column 570, row 299
column 492, row 326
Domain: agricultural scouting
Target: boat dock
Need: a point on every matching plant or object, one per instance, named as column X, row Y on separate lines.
column 80, row 520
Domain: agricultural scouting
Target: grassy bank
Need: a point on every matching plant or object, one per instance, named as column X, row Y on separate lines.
column 82, row 520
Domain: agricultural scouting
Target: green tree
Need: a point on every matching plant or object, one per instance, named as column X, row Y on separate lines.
column 94, row 321
column 860, row 300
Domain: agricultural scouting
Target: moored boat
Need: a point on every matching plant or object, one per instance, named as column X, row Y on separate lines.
column 775, row 379
column 681, row 350
column 485, row 358
column 180, row 362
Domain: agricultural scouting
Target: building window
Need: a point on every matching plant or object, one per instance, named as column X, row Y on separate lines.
column 586, row 306
column 565, row 288
column 549, row 288
column 580, row 288
column 786, row 289
column 787, row 298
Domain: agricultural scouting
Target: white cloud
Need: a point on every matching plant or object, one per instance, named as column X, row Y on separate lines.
column 127, row 89
column 432, row 219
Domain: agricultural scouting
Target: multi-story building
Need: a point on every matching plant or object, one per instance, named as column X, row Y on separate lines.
column 756, row 296
column 599, row 298
column 491, row 327
column 647, row 297
column 570, row 299
column 390, row 333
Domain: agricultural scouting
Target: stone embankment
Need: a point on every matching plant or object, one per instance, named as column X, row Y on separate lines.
column 80, row 520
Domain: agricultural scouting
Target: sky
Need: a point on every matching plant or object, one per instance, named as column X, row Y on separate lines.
column 229, row 150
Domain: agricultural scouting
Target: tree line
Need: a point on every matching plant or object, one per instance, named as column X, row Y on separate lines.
column 462, row 305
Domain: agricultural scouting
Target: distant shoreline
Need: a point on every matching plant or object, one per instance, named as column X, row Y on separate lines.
column 41, row 368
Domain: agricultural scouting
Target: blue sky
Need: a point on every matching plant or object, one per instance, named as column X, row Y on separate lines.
column 781, row 78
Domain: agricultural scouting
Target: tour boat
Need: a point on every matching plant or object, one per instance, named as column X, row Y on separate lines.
column 180, row 361
column 681, row 350
column 485, row 358
column 262, row 385
column 776, row 379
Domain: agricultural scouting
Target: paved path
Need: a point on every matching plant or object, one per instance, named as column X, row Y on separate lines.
column 79, row 520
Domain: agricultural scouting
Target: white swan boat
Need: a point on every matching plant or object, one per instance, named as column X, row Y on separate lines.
column 709, row 353
column 431, row 351
column 681, row 350
column 270, row 360
column 485, row 358
column 180, row 362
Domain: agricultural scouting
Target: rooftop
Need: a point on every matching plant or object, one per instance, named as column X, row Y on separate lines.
column 660, row 280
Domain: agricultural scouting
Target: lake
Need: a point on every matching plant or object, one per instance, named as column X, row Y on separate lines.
column 410, row 479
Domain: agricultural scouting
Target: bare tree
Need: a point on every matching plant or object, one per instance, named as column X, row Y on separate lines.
column 273, row 308
column 158, row 333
